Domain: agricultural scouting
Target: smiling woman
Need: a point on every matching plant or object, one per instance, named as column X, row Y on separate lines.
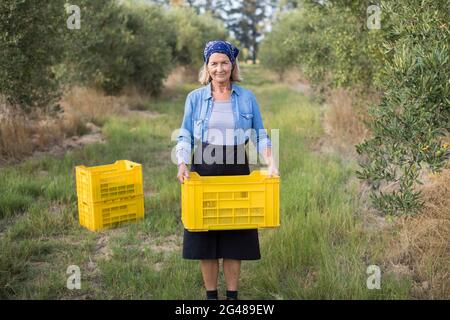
column 234, row 74
column 220, row 107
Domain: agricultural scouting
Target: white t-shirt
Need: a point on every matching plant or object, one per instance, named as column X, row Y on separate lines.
column 221, row 124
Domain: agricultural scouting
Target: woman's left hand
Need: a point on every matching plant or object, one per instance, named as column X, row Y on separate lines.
column 273, row 170
column 270, row 161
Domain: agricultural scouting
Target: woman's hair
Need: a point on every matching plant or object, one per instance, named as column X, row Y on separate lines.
column 205, row 78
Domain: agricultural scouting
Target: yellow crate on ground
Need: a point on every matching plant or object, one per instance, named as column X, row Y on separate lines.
column 109, row 195
column 110, row 214
column 108, row 182
column 230, row 202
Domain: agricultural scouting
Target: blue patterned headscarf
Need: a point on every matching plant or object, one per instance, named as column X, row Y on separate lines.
column 220, row 46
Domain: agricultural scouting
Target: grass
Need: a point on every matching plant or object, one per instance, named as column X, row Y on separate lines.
column 320, row 251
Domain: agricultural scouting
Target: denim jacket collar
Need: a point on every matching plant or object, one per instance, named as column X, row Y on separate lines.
column 208, row 95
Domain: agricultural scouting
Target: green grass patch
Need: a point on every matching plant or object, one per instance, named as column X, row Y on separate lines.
column 319, row 252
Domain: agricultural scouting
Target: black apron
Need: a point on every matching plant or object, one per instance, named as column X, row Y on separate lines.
column 226, row 244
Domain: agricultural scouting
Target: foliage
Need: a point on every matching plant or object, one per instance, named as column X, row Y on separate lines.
column 192, row 33
column 414, row 114
column 120, row 45
column 30, row 44
column 406, row 61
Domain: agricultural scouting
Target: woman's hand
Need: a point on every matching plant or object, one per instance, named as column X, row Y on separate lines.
column 270, row 161
column 273, row 170
column 183, row 172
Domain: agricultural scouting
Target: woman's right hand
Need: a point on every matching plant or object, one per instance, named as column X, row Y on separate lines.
column 183, row 172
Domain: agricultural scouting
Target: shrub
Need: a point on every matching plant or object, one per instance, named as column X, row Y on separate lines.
column 409, row 124
column 30, row 44
column 407, row 62
column 192, row 33
column 119, row 45
column 330, row 43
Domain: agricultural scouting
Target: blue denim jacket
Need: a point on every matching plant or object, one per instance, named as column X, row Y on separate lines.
column 197, row 112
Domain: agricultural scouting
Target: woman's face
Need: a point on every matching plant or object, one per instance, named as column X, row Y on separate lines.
column 219, row 67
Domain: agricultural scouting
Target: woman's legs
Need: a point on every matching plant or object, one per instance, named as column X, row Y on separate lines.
column 231, row 267
column 231, row 270
column 210, row 272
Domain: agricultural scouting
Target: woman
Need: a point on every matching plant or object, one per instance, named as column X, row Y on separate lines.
column 219, row 119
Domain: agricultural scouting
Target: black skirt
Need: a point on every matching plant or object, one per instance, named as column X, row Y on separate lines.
column 226, row 244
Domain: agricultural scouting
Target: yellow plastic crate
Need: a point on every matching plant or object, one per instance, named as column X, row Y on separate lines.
column 109, row 195
column 109, row 182
column 230, row 202
column 110, row 214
